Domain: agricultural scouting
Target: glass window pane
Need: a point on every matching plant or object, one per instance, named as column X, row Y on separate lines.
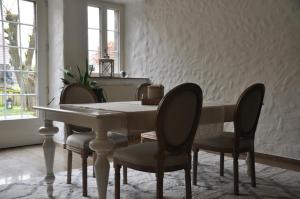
column 12, row 58
column 93, row 17
column 2, row 107
column 117, row 62
column 2, row 82
column 28, row 59
column 27, row 12
column 11, row 34
column 94, row 42
column 112, row 20
column 13, row 106
column 1, row 34
column 94, row 57
column 27, row 36
column 29, row 83
column 13, row 82
column 112, row 42
column 2, row 62
column 28, row 103
column 10, row 10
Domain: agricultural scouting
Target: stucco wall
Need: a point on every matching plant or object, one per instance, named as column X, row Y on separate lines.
column 224, row 46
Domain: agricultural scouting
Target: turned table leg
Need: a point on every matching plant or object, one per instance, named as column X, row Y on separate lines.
column 102, row 146
column 48, row 131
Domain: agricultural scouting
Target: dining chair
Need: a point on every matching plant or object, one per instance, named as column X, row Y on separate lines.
column 246, row 117
column 176, row 123
column 78, row 138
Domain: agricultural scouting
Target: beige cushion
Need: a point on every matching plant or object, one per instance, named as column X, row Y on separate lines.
column 144, row 155
column 223, row 142
column 82, row 140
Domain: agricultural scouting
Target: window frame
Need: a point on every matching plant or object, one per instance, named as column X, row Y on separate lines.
column 103, row 6
column 22, row 95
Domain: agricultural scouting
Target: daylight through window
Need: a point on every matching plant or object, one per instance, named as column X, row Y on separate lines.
column 103, row 36
column 18, row 62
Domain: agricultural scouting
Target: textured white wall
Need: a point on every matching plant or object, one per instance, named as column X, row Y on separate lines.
column 224, row 46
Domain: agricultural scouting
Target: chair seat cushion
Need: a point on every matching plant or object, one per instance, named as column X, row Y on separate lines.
column 82, row 140
column 222, row 143
column 143, row 157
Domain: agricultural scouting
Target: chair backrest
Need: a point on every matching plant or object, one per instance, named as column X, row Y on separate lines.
column 77, row 94
column 248, row 110
column 178, row 117
column 142, row 91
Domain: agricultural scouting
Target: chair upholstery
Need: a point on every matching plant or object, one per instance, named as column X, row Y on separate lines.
column 246, row 117
column 137, row 153
column 176, row 123
column 82, row 139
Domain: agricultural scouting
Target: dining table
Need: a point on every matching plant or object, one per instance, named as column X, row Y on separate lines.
column 126, row 116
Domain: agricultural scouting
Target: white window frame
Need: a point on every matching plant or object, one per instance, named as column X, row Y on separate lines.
column 40, row 57
column 103, row 6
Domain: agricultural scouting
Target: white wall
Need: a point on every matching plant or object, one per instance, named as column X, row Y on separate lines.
column 225, row 46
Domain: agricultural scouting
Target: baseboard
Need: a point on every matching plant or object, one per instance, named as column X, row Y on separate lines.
column 277, row 158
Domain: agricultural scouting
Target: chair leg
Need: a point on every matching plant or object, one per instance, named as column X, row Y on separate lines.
column 221, row 164
column 252, row 168
column 188, row 183
column 117, row 181
column 195, row 165
column 94, row 162
column 236, row 173
column 84, row 175
column 159, row 184
column 124, row 175
column 69, row 167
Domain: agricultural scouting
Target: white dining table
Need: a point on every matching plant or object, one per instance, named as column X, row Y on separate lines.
column 129, row 116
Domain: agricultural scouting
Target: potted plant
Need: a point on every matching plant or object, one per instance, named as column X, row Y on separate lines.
column 84, row 78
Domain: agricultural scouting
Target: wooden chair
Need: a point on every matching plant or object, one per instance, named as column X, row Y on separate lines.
column 176, row 123
column 142, row 91
column 241, row 140
column 78, row 138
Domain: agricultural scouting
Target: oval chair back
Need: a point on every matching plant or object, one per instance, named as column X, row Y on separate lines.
column 248, row 110
column 177, row 118
column 77, row 94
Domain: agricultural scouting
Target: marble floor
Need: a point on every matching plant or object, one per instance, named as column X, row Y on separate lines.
column 23, row 178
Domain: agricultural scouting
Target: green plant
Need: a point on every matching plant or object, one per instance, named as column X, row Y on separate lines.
column 84, row 78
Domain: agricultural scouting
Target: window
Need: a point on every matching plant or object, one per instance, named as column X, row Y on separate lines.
column 18, row 62
column 104, row 35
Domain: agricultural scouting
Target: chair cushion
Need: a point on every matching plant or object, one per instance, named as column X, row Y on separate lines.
column 144, row 155
column 82, row 140
column 223, row 142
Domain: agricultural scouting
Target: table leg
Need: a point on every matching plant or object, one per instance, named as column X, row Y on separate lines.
column 103, row 147
column 48, row 131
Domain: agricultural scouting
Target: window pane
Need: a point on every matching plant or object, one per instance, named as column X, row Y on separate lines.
column 13, row 82
column 29, row 83
column 10, row 10
column 1, row 34
column 94, row 43
column 93, row 17
column 27, row 36
column 94, row 57
column 13, row 106
column 27, row 12
column 112, row 20
column 28, row 103
column 2, row 106
column 12, row 58
column 28, row 59
column 117, row 62
column 2, row 63
column 2, row 82
column 11, row 34
column 112, row 42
